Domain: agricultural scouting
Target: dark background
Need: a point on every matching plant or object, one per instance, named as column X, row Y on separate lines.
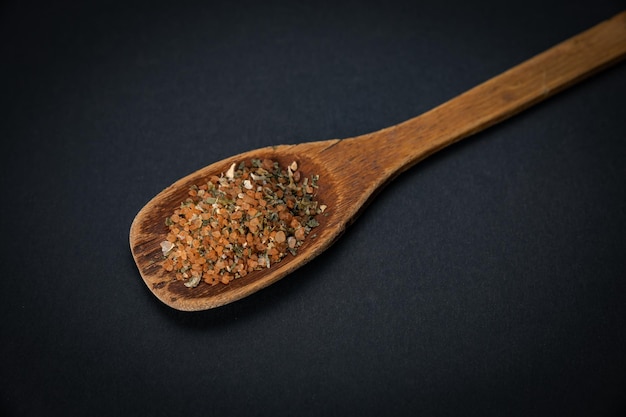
column 488, row 280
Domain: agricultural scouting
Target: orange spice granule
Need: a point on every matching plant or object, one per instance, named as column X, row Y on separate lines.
column 247, row 219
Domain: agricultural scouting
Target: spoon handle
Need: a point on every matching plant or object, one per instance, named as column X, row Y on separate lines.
column 397, row 148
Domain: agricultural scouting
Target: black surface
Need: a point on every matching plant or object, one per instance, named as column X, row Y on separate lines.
column 488, row 280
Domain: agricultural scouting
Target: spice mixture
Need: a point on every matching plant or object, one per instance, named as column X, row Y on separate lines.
column 244, row 220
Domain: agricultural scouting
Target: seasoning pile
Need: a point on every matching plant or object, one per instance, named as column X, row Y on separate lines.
column 244, row 220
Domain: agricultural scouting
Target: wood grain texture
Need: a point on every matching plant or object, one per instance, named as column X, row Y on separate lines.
column 352, row 170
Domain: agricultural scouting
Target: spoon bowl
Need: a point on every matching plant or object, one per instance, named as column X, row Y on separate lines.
column 149, row 230
column 352, row 170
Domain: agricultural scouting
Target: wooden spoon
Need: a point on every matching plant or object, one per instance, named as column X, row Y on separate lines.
column 352, row 170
